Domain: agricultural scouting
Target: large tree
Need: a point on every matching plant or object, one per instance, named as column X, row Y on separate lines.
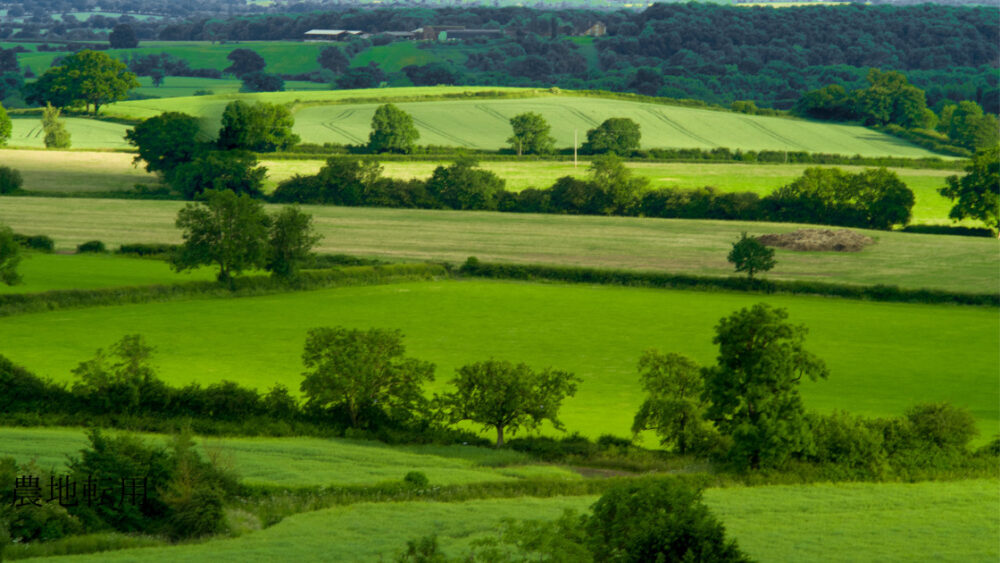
column 364, row 373
column 333, row 59
column 751, row 256
column 504, row 396
column 753, row 389
column 464, row 186
column 971, row 128
column 619, row 135
column 122, row 36
column 674, row 406
column 165, row 141
column 225, row 229
column 978, row 192
column 531, row 134
column 392, row 130
column 244, row 61
column 260, row 127
column 90, row 78
column 621, row 190
column 890, row 98
column 10, row 257
column 234, row 171
column 291, row 241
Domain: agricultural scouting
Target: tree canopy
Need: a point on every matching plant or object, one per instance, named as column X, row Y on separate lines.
column 291, row 240
column 977, row 194
column 233, row 170
column 464, row 186
column 244, row 61
column 261, row 127
column 392, row 130
column 531, row 134
column 122, row 36
column 10, row 257
column 165, row 141
column 619, row 135
column 674, row 406
column 750, row 256
column 84, row 78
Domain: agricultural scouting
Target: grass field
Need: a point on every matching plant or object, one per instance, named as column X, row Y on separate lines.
column 762, row 179
column 294, row 462
column 955, row 521
column 697, row 247
column 77, row 171
column 179, row 86
column 883, row 357
column 485, row 124
column 84, row 133
column 46, row 272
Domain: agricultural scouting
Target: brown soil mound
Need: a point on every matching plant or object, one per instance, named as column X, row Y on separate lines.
column 842, row 240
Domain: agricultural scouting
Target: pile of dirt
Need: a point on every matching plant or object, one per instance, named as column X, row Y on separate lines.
column 841, row 240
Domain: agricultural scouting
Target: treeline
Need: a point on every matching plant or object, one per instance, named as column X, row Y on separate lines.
column 870, row 199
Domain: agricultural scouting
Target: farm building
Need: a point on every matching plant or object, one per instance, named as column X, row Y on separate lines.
column 332, row 34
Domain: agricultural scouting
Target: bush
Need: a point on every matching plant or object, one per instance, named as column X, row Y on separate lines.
column 36, row 242
column 91, row 246
column 417, row 479
column 942, row 425
column 10, row 180
column 147, row 249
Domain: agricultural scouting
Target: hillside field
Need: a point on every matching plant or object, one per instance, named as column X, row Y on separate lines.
column 485, row 123
column 953, row 521
column 909, row 260
column 883, row 357
column 48, row 272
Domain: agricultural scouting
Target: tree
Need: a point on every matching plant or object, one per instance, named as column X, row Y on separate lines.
column 234, row 171
column 504, row 396
column 370, row 76
column 392, row 130
column 619, row 135
column 341, row 181
column 657, row 519
column 244, row 61
column 674, row 406
column 225, row 229
column 890, row 98
column 165, row 141
column 531, row 134
column 56, row 135
column 157, row 75
column 6, row 126
column 363, row 372
column 971, row 128
column 122, row 36
column 750, row 256
column 291, row 241
column 87, row 77
column 753, row 388
column 10, row 257
column 10, row 180
column 121, row 381
column 260, row 127
column 262, row 82
column 978, row 192
column 333, row 59
column 609, row 174
column 464, row 186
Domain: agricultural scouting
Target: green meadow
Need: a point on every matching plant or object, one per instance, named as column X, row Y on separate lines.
column 302, row 462
column 674, row 245
column 48, row 272
column 84, row 133
column 953, row 521
column 883, row 357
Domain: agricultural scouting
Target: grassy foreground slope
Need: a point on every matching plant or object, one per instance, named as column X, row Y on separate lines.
column 883, row 357
column 296, row 461
column 695, row 247
column 955, row 521
column 322, row 117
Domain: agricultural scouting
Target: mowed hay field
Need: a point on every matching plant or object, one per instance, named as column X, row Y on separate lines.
column 953, row 521
column 485, row 123
column 909, row 260
column 76, row 171
column 883, row 357
column 305, row 462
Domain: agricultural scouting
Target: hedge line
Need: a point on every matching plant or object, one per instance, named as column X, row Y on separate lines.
column 891, row 293
column 13, row 304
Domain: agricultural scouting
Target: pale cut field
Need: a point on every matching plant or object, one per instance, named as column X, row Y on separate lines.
column 666, row 245
column 84, row 133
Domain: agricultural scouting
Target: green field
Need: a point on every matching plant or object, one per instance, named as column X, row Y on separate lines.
column 47, row 272
column 296, row 462
column 179, row 86
column 84, row 133
column 485, row 123
column 955, row 521
column 674, row 245
column 883, row 357
column 77, row 171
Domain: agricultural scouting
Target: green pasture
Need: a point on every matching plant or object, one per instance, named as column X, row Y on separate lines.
column 47, row 272
column 762, row 179
column 296, row 461
column 84, row 133
column 485, row 123
column 883, row 357
column 673, row 245
column 953, row 521
column 180, row 86
column 76, row 171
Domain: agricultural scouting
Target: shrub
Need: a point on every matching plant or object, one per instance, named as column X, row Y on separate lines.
column 91, row 246
column 417, row 479
column 10, row 180
column 942, row 425
column 147, row 249
column 36, row 242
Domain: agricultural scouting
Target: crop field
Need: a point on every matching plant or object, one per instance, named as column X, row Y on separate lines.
column 295, row 462
column 47, row 272
column 674, row 245
column 76, row 171
column 485, row 123
column 84, row 133
column 883, row 357
column 953, row 521
column 762, row 179
column 180, row 86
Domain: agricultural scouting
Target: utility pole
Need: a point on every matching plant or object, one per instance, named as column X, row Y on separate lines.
column 575, row 132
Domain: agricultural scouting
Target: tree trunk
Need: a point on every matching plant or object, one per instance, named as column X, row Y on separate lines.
column 499, row 435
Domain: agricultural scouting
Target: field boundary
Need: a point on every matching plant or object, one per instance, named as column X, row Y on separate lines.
column 886, row 293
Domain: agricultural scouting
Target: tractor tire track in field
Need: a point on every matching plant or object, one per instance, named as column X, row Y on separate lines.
column 492, row 112
column 33, row 133
column 776, row 136
column 680, row 128
column 445, row 134
column 589, row 120
column 340, row 130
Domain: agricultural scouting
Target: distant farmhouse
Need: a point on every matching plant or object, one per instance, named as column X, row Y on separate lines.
column 333, row 34
column 426, row 33
column 597, row 30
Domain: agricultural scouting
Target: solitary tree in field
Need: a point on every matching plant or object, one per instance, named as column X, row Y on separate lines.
column 978, row 192
column 86, row 77
column 363, row 372
column 56, row 135
column 619, row 135
column 10, row 257
column 392, row 130
column 291, row 241
column 225, row 229
column 244, row 62
column 531, row 134
column 750, row 256
column 753, row 390
column 504, row 396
